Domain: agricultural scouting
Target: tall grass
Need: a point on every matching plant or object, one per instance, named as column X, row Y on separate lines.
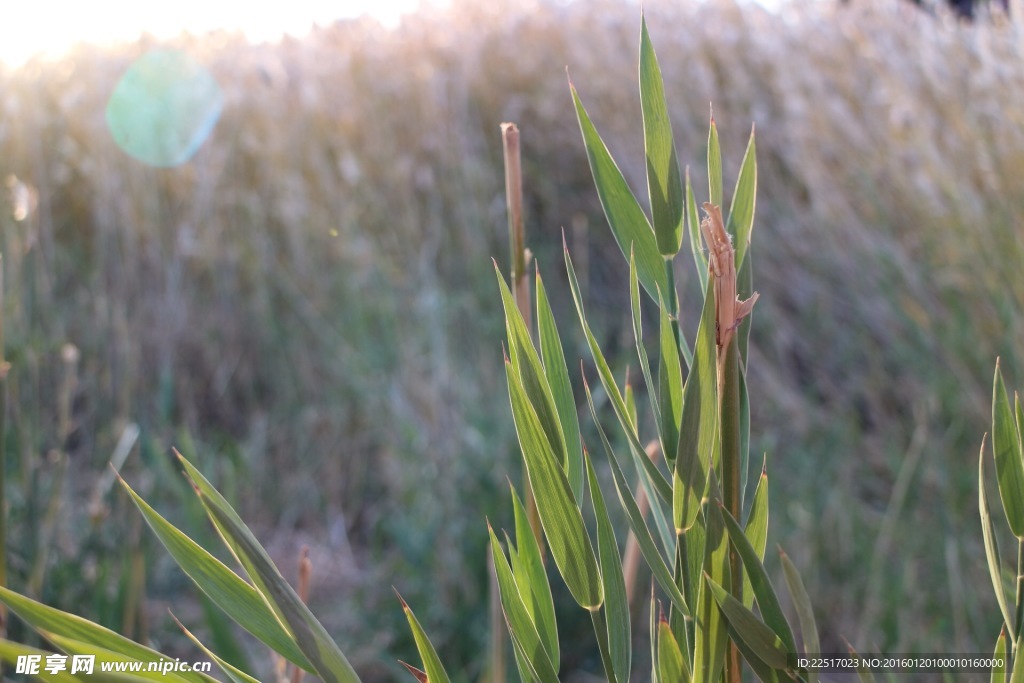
column 297, row 299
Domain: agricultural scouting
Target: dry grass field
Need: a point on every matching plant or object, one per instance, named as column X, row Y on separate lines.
column 308, row 309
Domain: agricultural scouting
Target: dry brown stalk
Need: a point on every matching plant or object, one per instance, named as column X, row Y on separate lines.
column 729, row 310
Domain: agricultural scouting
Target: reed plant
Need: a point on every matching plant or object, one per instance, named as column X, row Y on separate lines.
column 703, row 543
column 246, row 307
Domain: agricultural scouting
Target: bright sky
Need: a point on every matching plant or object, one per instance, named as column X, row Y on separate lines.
column 51, row 26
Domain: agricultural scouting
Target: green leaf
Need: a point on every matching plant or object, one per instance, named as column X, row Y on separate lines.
column 741, row 215
column 988, row 534
column 641, row 531
column 234, row 674
column 53, row 624
column 696, row 246
column 698, row 435
column 533, row 580
column 762, row 640
column 663, row 181
column 710, row 638
column 1018, row 662
column 240, row 601
column 670, row 663
column 670, row 387
column 756, row 530
column 616, row 606
column 563, row 524
column 327, row 659
column 521, row 627
column 863, row 671
column 528, row 367
column 431, row 662
column 653, row 631
column 694, row 542
column 1006, row 448
column 627, row 220
column 999, row 655
column 767, row 600
column 714, row 165
column 651, row 478
column 804, row 611
column 557, row 374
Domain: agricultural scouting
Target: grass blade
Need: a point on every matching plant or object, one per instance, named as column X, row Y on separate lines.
column 528, row 368
column 1006, row 449
column 532, row 580
column 616, row 606
column 234, row 674
column 988, row 534
column 756, row 529
column 628, row 222
column 664, row 184
column 714, row 165
column 698, row 435
column 654, row 482
column 670, row 387
column 232, row 594
column 710, row 638
column 999, row 655
column 74, row 647
column 767, row 600
column 741, row 214
column 11, row 651
column 696, row 246
column 557, row 374
column 431, row 662
column 804, row 612
column 521, row 627
column 655, row 560
column 54, row 624
column 326, row 658
column 561, row 518
column 670, row 663
column 762, row 641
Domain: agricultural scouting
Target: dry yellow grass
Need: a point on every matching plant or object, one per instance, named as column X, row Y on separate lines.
column 312, row 291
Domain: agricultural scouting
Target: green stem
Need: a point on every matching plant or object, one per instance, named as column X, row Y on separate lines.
column 732, row 459
column 673, row 312
column 4, row 367
column 1019, row 617
column 601, row 632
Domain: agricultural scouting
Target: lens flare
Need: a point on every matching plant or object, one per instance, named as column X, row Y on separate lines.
column 164, row 108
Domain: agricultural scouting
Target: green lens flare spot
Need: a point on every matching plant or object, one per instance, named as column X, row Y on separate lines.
column 164, row 108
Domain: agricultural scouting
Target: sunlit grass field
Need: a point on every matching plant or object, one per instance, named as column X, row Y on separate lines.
column 307, row 309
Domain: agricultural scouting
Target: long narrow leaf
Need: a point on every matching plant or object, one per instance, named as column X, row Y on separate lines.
column 117, row 660
column 615, row 603
column 532, row 580
column 710, row 633
column 756, row 529
column 999, row 658
column 239, row 600
column 714, row 165
column 327, row 659
column 767, row 600
column 527, row 365
column 627, row 220
column 1006, row 448
column 557, row 375
column 804, row 611
column 431, row 662
column 521, row 626
column 698, row 435
column 11, row 651
column 670, row 663
column 762, row 640
column 988, row 534
column 693, row 228
column 670, row 387
column 54, row 623
column 655, row 560
column 664, row 184
column 234, row 674
column 563, row 524
column 741, row 215
column 654, row 482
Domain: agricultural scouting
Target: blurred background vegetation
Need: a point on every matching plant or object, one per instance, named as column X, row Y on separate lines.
column 308, row 307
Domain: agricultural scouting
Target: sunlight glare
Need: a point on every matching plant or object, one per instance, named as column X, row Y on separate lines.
column 51, row 27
